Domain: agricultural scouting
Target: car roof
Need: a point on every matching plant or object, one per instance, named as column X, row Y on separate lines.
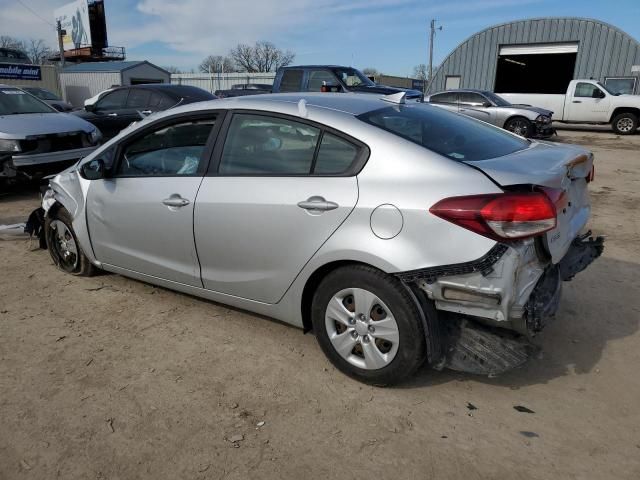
column 314, row 66
column 461, row 90
column 346, row 103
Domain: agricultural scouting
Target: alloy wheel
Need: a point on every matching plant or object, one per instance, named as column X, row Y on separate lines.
column 64, row 245
column 519, row 127
column 362, row 329
column 624, row 125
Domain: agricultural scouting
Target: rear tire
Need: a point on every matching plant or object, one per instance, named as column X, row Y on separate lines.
column 63, row 245
column 368, row 325
column 625, row 124
column 520, row 126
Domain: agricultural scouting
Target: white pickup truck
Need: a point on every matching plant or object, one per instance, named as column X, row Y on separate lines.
column 587, row 101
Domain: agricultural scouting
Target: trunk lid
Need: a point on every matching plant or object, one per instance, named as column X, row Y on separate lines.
column 564, row 168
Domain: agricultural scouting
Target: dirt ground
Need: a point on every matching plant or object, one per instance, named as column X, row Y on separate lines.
column 110, row 378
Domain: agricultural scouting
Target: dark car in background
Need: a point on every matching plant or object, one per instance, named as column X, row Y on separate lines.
column 49, row 98
column 332, row 78
column 244, row 89
column 120, row 107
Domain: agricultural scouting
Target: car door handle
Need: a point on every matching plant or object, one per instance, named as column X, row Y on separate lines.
column 112, row 114
column 176, row 201
column 577, row 101
column 318, row 204
column 146, row 112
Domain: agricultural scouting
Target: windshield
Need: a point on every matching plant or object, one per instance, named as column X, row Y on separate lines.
column 41, row 93
column 451, row 135
column 352, row 77
column 14, row 101
column 496, row 99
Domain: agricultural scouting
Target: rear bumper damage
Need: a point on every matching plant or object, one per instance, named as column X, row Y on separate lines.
column 493, row 306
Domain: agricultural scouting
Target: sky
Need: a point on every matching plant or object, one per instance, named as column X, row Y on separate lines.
column 389, row 35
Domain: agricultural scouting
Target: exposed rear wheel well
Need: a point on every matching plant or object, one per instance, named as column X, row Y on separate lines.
column 618, row 111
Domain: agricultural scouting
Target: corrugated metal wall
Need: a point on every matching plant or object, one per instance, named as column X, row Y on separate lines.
column 49, row 80
column 603, row 50
column 224, row 81
column 78, row 86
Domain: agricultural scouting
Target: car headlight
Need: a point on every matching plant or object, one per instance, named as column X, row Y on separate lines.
column 95, row 136
column 10, row 146
column 543, row 119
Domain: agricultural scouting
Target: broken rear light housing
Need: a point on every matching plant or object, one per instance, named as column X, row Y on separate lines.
column 500, row 216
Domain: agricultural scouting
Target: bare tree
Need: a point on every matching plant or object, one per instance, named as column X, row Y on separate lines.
column 420, row 72
column 38, row 51
column 11, row 42
column 371, row 72
column 218, row 64
column 261, row 57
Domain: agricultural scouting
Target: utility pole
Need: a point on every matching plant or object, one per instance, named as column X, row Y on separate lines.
column 432, row 36
column 61, row 32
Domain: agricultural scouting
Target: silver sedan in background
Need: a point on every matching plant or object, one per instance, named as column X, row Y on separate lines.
column 523, row 120
column 399, row 233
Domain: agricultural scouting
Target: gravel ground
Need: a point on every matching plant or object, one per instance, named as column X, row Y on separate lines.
column 110, row 378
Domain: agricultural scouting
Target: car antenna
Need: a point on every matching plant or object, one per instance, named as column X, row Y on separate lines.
column 398, row 98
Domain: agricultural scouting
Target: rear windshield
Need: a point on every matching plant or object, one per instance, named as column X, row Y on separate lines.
column 455, row 136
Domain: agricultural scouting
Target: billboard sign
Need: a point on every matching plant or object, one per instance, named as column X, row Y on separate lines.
column 20, row 71
column 74, row 19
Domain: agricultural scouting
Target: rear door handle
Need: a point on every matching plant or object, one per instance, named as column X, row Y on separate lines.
column 317, row 204
column 112, row 114
column 176, row 200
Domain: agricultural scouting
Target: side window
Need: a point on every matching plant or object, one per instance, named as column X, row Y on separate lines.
column 471, row 99
column 316, row 77
column 335, row 155
column 586, row 90
column 170, row 150
column 159, row 101
column 448, row 98
column 138, row 98
column 262, row 145
column 291, row 81
column 113, row 100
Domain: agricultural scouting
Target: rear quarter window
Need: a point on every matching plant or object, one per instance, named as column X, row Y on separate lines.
column 454, row 136
column 291, row 81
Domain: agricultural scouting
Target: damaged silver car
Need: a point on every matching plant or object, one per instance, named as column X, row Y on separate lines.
column 399, row 233
column 524, row 120
column 36, row 139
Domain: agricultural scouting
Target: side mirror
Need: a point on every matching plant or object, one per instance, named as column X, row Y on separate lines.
column 486, row 104
column 93, row 170
column 597, row 93
column 90, row 108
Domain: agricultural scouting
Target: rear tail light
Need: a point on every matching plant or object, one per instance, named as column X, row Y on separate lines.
column 501, row 216
column 592, row 174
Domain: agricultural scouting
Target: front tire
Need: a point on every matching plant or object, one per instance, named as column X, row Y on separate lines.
column 520, row 126
column 63, row 245
column 368, row 325
column 625, row 124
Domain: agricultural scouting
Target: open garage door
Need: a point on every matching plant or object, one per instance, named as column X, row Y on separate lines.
column 536, row 68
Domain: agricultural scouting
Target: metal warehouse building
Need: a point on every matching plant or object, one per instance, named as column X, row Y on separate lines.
column 84, row 80
column 542, row 55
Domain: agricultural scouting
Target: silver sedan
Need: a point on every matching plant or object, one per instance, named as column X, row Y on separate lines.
column 524, row 120
column 397, row 232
